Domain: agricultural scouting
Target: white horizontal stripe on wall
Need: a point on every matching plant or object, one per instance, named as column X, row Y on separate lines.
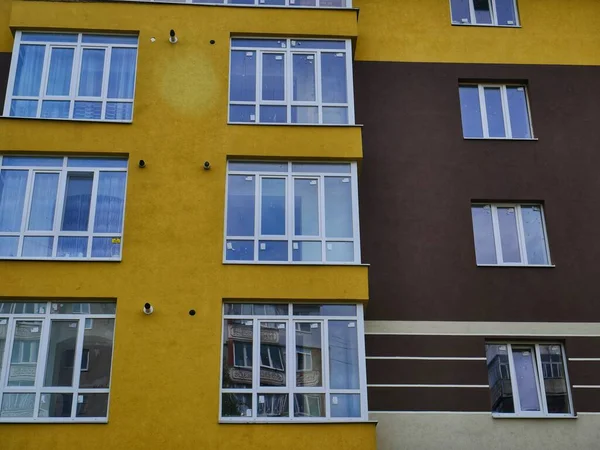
column 586, row 386
column 583, row 359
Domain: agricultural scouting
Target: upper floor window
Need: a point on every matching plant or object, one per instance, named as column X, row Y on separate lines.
column 293, row 362
column 485, row 12
column 72, row 76
column 55, row 207
column 510, row 234
column 41, row 344
column 528, row 380
column 292, row 3
column 495, row 111
column 292, row 213
column 291, row 81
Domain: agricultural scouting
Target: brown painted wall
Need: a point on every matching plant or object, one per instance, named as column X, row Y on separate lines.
column 419, row 176
column 4, row 69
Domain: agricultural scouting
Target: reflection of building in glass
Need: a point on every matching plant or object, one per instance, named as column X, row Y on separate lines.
column 500, row 384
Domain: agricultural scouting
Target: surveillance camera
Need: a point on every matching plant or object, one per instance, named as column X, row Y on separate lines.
column 148, row 309
column 172, row 38
column 206, row 165
column 142, row 164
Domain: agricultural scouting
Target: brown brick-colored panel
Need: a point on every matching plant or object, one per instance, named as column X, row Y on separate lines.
column 583, row 347
column 424, row 345
column 418, row 371
column 4, row 70
column 586, row 400
column 584, row 372
column 429, row 399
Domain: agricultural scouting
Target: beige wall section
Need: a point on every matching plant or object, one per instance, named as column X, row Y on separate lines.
column 426, row 431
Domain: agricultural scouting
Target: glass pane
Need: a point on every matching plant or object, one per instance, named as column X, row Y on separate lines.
column 259, row 43
column 76, row 214
column 17, row 405
column 12, row 197
column 509, row 238
column 97, row 352
column 307, row 251
column 59, row 74
column 339, row 252
column 240, row 205
column 526, row 378
column 325, row 310
column 243, row 76
column 119, row 111
column 109, row 39
column 43, row 202
column 308, row 354
column 483, row 231
column 334, row 78
column 9, row 246
column 37, row 246
column 309, row 405
column 343, row 355
column 273, row 114
column 499, row 379
column 304, row 78
column 555, row 382
column 535, row 238
column 305, row 114
column 110, row 202
column 505, row 10
column 460, row 11
column 470, row 110
column 24, row 356
column 519, row 113
column 319, row 44
column 272, row 354
column 236, row 405
column 122, row 73
column 272, row 215
column 23, row 308
column 55, row 405
column 97, row 162
column 338, row 207
column 317, row 168
column 306, row 207
column 495, row 117
column 3, row 331
column 29, row 70
column 240, row 250
column 333, row 3
column 87, row 110
column 48, row 37
column 273, row 251
column 335, row 116
column 242, row 2
column 345, row 405
column 23, row 108
column 61, row 353
column 242, row 113
column 92, row 405
column 483, row 13
column 92, row 68
column 55, row 109
column 244, row 166
column 106, row 247
column 273, row 405
column 84, row 308
column 255, row 309
column 273, row 82
column 72, row 247
column 237, row 354
column 32, row 161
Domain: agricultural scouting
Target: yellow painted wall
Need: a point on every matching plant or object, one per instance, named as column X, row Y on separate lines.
column 165, row 379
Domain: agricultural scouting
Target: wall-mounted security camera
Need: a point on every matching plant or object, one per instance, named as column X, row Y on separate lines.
column 206, row 165
column 148, row 309
column 142, row 164
column 172, row 38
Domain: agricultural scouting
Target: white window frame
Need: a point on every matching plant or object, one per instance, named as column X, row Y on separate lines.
column 290, row 364
column 290, row 236
column 73, row 96
column 260, row 3
column 494, row 16
column 520, row 232
column 46, row 316
column 288, row 101
column 63, row 173
column 505, row 110
column 535, row 346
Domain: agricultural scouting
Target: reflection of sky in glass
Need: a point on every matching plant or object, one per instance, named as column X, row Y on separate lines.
column 495, row 117
column 505, row 11
column 509, row 237
column 485, row 249
column 519, row 114
column 526, row 379
column 470, row 111
column 535, row 239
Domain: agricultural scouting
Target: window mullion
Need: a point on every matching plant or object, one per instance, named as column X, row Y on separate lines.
column 505, row 111
column 255, row 366
column 355, row 212
column 492, row 4
column 92, row 218
column 482, row 108
column 521, row 234
column 540, row 380
column 362, row 367
column 350, row 83
column 74, row 79
column 318, row 86
column 77, row 365
column 496, row 231
column 322, row 218
column 473, row 17
column 61, row 194
column 290, row 215
column 259, row 84
column 25, row 212
column 8, row 344
column 513, row 380
column 325, row 368
column 44, row 80
column 258, row 216
column 42, row 359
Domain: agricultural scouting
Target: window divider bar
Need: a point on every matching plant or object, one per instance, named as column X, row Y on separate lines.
column 482, row 107
column 326, row 366
column 540, row 379
column 92, row 213
column 42, row 359
column 513, row 380
column 25, row 212
column 44, row 80
column 521, row 234
column 505, row 111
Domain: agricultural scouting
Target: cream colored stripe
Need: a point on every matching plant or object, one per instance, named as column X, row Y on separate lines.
column 487, row 329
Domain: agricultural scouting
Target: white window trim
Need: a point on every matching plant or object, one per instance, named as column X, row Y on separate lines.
column 290, row 388
column 288, row 101
column 520, row 232
column 290, row 237
column 492, row 3
column 63, row 173
column 75, row 74
column 46, row 317
column 539, row 382
column 259, row 3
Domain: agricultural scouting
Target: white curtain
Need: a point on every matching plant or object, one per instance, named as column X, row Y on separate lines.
column 59, row 75
column 122, row 73
column 109, row 203
column 92, row 67
column 12, row 198
column 43, row 201
column 29, row 70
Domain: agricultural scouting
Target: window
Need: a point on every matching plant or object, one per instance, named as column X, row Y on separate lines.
column 495, row 112
column 485, row 12
column 292, row 213
column 510, row 234
column 528, row 379
column 291, row 81
column 288, row 373
column 291, row 3
column 40, row 345
column 61, row 208
column 72, row 76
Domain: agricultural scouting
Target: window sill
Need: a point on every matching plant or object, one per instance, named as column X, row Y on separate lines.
column 296, row 421
column 341, row 125
column 533, row 416
column 294, row 264
column 123, row 122
column 498, row 139
column 487, row 25
column 57, row 421
column 4, row 258
column 542, row 266
column 183, row 2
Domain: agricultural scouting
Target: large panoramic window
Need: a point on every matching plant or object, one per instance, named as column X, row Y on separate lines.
column 61, row 208
column 528, row 379
column 72, row 76
column 286, row 362
column 485, row 12
column 55, row 361
column 291, row 81
column 297, row 213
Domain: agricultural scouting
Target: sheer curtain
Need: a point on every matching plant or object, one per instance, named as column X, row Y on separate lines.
column 92, row 67
column 43, row 202
column 122, row 73
column 29, row 70
column 59, row 75
column 12, row 198
column 109, row 203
